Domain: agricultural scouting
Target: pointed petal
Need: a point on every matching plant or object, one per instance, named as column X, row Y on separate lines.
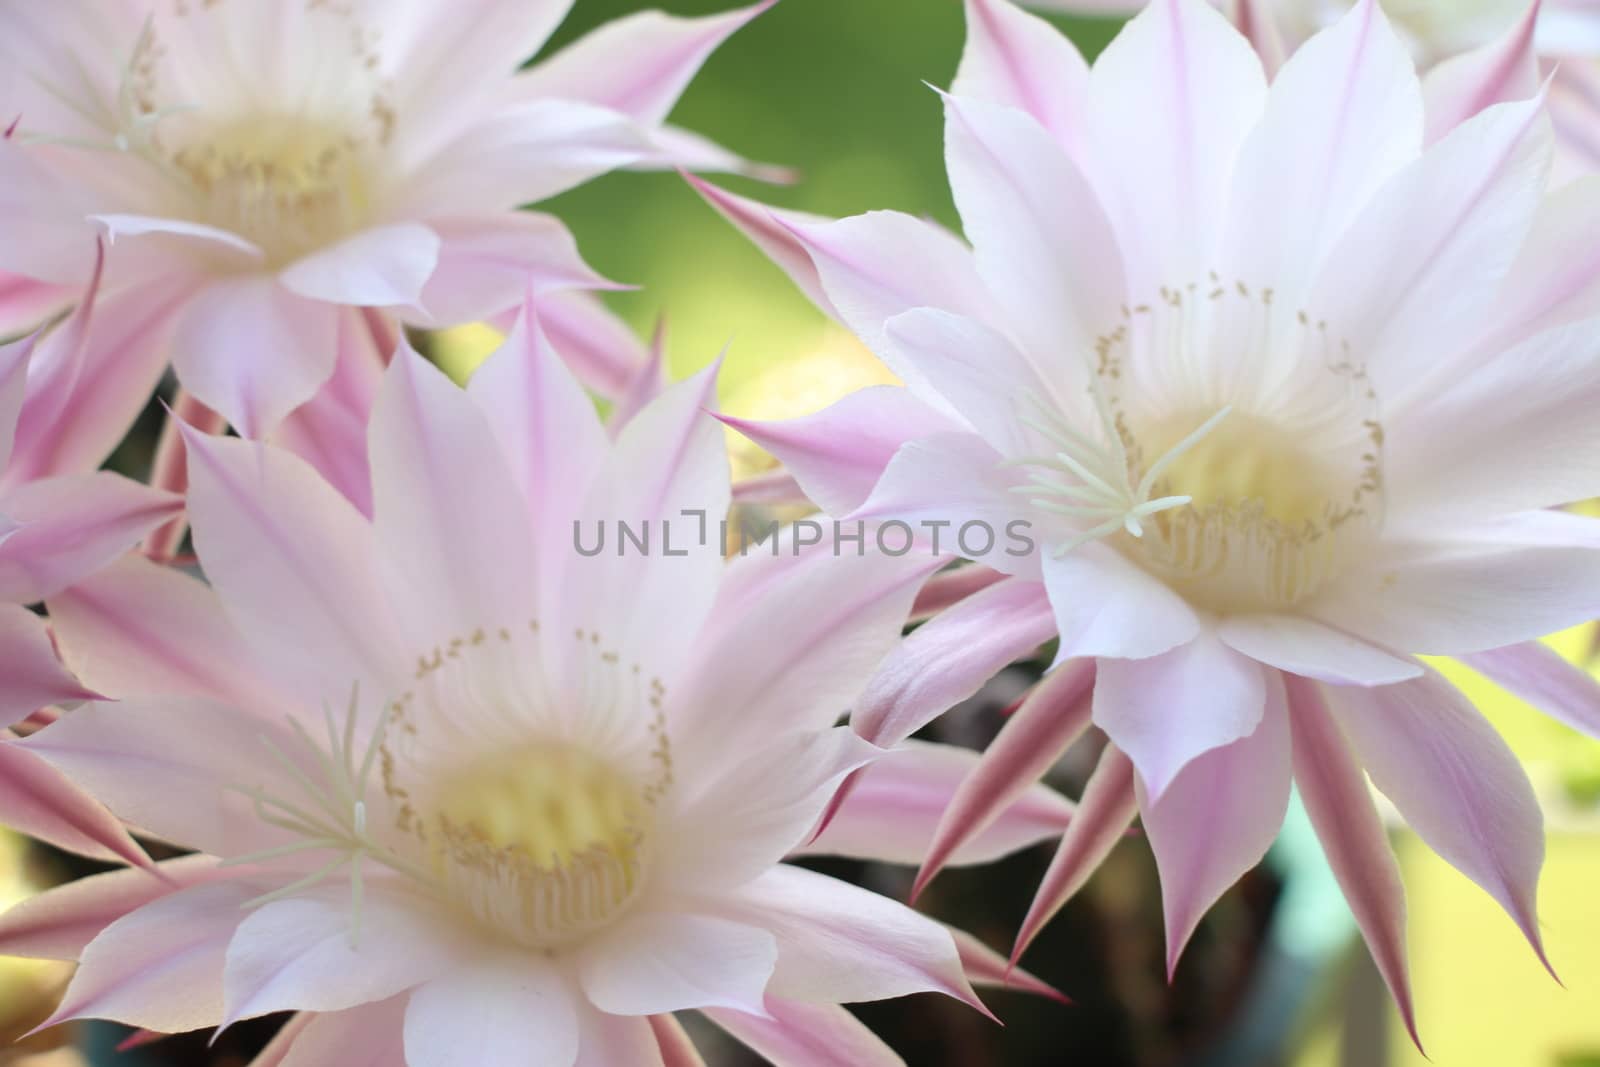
column 380, row 267
column 1106, row 606
column 302, row 954
column 489, row 263
column 838, row 454
column 987, row 968
column 160, row 967
column 1456, row 783
column 1218, row 818
column 1467, row 205
column 1019, row 60
column 773, row 232
column 140, row 629
column 26, row 304
column 452, row 529
column 59, row 923
column 1346, row 820
column 1167, row 710
column 38, row 800
column 1052, row 717
column 672, row 1045
column 601, row 350
column 253, row 351
column 1307, row 648
column 71, row 526
column 547, row 429
column 14, row 361
column 1504, row 69
column 33, row 676
column 1537, row 673
column 649, row 381
column 1041, row 239
column 1103, row 815
column 1171, row 100
column 654, row 962
column 638, row 65
column 633, row 1040
column 898, row 800
column 790, row 1033
column 839, row 943
column 295, row 565
column 1318, row 156
column 948, row 659
column 494, row 1010
column 950, row 587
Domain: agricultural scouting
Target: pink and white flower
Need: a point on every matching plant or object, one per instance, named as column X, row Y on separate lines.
column 1284, row 395
column 1473, row 54
column 265, row 169
column 462, row 791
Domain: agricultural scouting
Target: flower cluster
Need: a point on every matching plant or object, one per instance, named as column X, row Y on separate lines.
column 1266, row 364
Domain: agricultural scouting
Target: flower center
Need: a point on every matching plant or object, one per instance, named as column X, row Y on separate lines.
column 547, row 841
column 1247, row 505
column 288, row 184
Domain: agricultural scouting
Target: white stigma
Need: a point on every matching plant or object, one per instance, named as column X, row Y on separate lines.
column 1103, row 491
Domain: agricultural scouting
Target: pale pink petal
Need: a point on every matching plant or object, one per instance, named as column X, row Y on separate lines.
column 37, row 799
column 1533, row 446
column 379, row 267
column 1258, row 21
column 1217, row 820
column 207, row 244
column 951, row 492
column 601, row 350
column 371, row 1035
column 1452, row 597
column 494, row 1009
column 25, row 304
column 789, row 1033
column 950, row 587
column 1456, row 783
column 141, row 629
column 174, row 768
column 898, row 800
column 681, row 149
column 838, row 454
column 453, row 531
column 547, row 429
column 1502, row 70
column 489, row 263
column 1312, row 650
column 281, row 1047
column 988, row 969
column 122, row 362
column 1171, row 100
column 830, row 615
column 773, row 232
column 1052, row 717
column 763, row 806
column 1167, row 710
column 48, row 235
column 295, row 564
column 654, row 962
column 55, row 367
column 638, row 65
column 329, row 431
column 1555, row 279
column 1318, row 156
column 1019, row 60
column 71, row 526
column 875, row 266
column 1466, row 205
column 1040, row 236
column 160, row 966
column 519, row 155
column 667, row 476
column 305, row 954
column 948, row 659
column 59, row 923
column 253, row 351
column 1106, row 606
column 648, row 382
column 32, row 676
column 1346, row 820
column 15, row 359
column 1108, row 805
column 1538, row 674
column 839, row 943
